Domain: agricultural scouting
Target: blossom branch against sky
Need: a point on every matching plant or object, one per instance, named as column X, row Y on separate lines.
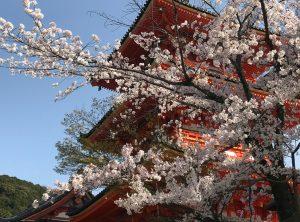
column 246, row 108
column 30, row 119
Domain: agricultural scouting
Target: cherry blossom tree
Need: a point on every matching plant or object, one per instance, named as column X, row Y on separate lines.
column 259, row 33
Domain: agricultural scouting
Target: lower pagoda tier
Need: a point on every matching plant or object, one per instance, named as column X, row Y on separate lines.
column 103, row 208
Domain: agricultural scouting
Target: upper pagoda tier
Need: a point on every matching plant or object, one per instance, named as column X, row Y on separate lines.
column 158, row 16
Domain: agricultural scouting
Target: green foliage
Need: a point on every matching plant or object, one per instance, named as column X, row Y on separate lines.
column 72, row 155
column 17, row 195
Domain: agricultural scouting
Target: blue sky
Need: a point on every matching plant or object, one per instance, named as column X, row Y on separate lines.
column 29, row 117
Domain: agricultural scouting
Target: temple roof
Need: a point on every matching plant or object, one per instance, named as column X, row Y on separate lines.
column 110, row 138
column 32, row 211
column 80, row 209
column 146, row 5
column 157, row 15
column 186, row 5
column 107, row 114
column 102, row 207
column 161, row 10
column 101, row 131
column 56, row 204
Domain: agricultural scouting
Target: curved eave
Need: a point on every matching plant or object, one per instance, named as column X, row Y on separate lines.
column 185, row 6
column 43, row 209
column 187, row 9
column 132, row 51
column 147, row 4
column 88, row 204
column 100, row 137
column 100, row 207
column 102, row 130
column 105, row 117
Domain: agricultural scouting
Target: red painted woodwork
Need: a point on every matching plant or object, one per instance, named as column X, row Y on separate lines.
column 52, row 212
column 161, row 12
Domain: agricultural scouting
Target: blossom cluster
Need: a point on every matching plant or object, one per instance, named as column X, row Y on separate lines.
column 239, row 71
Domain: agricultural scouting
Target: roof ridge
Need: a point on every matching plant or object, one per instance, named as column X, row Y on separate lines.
column 78, row 210
column 145, row 6
column 30, row 211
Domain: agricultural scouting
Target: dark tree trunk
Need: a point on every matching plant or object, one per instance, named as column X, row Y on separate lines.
column 286, row 201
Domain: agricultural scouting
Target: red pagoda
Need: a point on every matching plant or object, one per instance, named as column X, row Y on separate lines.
column 102, row 206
